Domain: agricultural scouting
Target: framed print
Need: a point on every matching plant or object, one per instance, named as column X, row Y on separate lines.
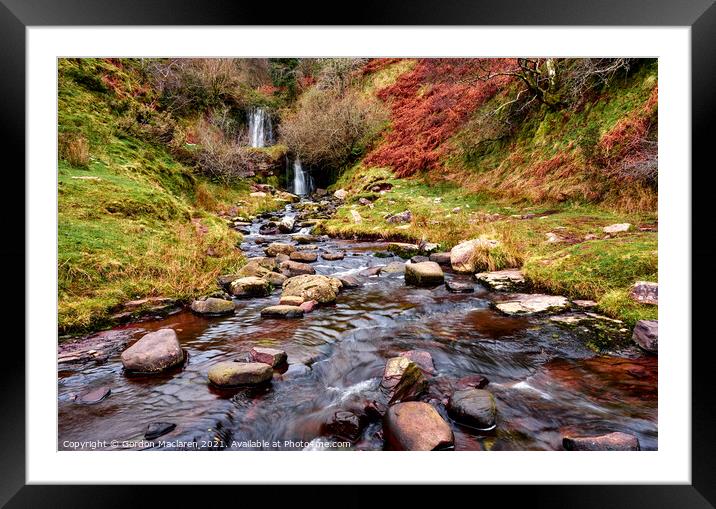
column 326, row 254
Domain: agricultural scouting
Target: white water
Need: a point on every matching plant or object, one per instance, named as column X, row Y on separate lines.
column 260, row 128
column 301, row 180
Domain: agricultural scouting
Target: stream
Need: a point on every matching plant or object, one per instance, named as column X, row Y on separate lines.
column 546, row 380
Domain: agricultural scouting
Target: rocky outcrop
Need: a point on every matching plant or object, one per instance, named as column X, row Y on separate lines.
column 465, row 257
column 416, row 426
column 645, row 292
column 282, row 311
column 423, row 274
column 502, row 280
column 323, row 289
column 213, row 306
column 473, row 407
column 271, row 356
column 279, row 247
column 234, row 374
column 616, row 441
column 646, row 335
column 531, row 303
column 250, row 287
column 402, row 380
column 153, row 353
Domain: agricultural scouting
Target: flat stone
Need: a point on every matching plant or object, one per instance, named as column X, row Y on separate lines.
column 93, row 396
column 616, row 441
column 333, row 256
column 233, row 374
column 271, row 356
column 355, row 215
column 279, row 247
column 645, row 292
column 416, row 426
column 440, row 258
column 530, row 303
column 423, row 274
column 292, row 269
column 459, row 286
column 213, row 306
column 617, row 228
column 419, row 258
column 153, row 353
column 322, row 289
column 291, row 300
column 646, row 335
column 371, row 271
column 349, row 281
column 281, row 311
column 158, row 429
column 250, row 286
column 305, row 239
column 303, row 256
column 582, row 303
column 508, row 279
column 473, row 407
column 402, row 249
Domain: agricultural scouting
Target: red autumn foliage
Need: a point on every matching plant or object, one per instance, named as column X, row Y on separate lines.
column 625, row 147
column 428, row 105
column 376, row 64
column 268, row 89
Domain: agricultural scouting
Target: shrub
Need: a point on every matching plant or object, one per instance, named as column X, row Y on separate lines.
column 74, row 148
column 220, row 157
column 330, row 128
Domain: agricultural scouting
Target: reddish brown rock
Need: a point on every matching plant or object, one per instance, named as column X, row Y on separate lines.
column 308, row 306
column 303, row 256
column 402, row 380
column 422, row 358
column 416, row 426
column 270, row 356
column 616, row 441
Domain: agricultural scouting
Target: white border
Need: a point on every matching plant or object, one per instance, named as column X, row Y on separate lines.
column 671, row 463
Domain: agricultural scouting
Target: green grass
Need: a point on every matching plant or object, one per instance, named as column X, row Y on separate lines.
column 601, row 269
column 134, row 222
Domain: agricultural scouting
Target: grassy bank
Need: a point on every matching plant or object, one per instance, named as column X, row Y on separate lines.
column 601, row 269
column 134, row 222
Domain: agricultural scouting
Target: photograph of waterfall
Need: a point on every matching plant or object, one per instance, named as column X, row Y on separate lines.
column 358, row 254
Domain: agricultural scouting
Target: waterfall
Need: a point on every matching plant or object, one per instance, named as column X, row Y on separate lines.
column 302, row 181
column 260, row 128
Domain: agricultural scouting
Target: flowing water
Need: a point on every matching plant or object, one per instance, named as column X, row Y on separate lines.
column 260, row 128
column 547, row 382
column 302, row 181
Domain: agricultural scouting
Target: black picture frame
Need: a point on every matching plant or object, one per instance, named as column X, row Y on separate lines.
column 17, row 15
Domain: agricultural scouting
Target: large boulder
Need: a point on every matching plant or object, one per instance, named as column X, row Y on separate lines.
column 292, row 269
column 282, row 311
column 323, row 289
column 474, row 407
column 402, row 380
column 303, row 256
column 213, row 306
column 270, row 356
column 465, row 257
column 530, row 303
column 645, row 292
column 250, row 287
column 416, row 426
column 646, row 335
column 279, row 247
column 153, row 353
column 616, row 441
column 233, row 374
column 423, row 274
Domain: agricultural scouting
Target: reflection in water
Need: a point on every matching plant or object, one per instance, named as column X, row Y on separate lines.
column 545, row 380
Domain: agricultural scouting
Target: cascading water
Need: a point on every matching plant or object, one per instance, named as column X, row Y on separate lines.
column 302, row 181
column 260, row 128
